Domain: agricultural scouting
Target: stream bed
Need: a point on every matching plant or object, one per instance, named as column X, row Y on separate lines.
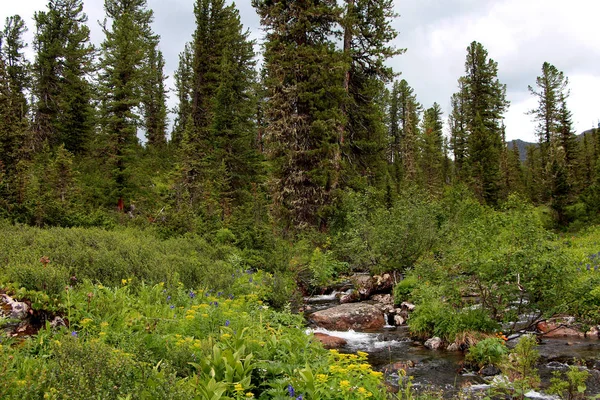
column 391, row 349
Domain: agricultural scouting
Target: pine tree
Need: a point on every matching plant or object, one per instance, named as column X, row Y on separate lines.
column 550, row 88
column 14, row 133
column 183, row 89
column 154, row 98
column 368, row 32
column 484, row 106
column 123, row 57
column 220, row 160
column 458, row 132
column 16, row 64
column 404, row 130
column 304, row 71
column 64, row 112
column 432, row 149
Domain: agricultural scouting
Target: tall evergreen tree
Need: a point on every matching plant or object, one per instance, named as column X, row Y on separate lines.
column 304, row 71
column 154, row 98
column 403, row 131
column 432, row 149
column 123, row 58
column 14, row 134
column 220, row 160
column 484, row 107
column 16, row 64
column 458, row 131
column 64, row 60
column 367, row 34
column 550, row 88
column 183, row 91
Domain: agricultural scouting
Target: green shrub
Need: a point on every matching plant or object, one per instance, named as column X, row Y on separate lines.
column 381, row 239
column 50, row 279
column 520, row 366
column 573, row 387
column 404, row 288
column 489, row 351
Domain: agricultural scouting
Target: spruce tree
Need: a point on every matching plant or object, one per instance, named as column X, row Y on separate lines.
column 458, row 132
column 154, row 98
column 15, row 140
column 484, row 106
column 404, row 131
column 303, row 114
column 123, row 58
column 432, row 149
column 183, row 91
column 550, row 91
column 64, row 113
column 220, row 160
column 16, row 64
column 367, row 34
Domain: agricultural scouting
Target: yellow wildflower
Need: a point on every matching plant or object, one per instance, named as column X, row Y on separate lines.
column 344, row 384
column 104, row 324
column 376, row 374
column 249, row 394
column 322, row 378
column 365, row 367
column 362, row 390
column 124, row 281
column 238, row 387
column 86, row 321
column 189, row 316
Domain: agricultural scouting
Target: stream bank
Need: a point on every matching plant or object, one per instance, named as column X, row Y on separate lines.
column 391, row 349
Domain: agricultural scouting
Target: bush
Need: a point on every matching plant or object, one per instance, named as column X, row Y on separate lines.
column 404, row 288
column 50, row 279
column 489, row 351
column 383, row 239
column 434, row 317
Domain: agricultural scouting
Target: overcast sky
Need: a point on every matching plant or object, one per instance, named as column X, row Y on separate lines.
column 519, row 34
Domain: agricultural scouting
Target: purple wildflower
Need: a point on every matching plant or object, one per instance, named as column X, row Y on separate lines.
column 168, row 298
column 227, row 322
column 74, row 333
column 291, row 390
column 172, row 306
column 192, row 294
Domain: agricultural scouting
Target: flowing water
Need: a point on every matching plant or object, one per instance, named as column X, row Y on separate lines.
column 391, row 349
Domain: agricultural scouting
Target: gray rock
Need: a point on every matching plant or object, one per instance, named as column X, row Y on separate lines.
column 490, row 370
column 57, row 322
column 435, row 343
column 18, row 310
column 453, row 347
column 399, row 320
column 408, row 306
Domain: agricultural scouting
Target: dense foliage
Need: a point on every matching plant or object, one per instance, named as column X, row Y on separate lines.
column 175, row 260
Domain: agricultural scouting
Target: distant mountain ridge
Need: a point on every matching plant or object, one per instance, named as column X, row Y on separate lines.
column 523, row 145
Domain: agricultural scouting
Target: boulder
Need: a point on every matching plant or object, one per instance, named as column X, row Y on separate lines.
column 490, row 370
column 330, row 342
column 364, row 285
column 15, row 309
column 385, row 299
column 408, row 306
column 357, row 316
column 453, row 347
column 435, row 343
column 559, row 328
column 593, row 333
column 399, row 320
column 351, row 296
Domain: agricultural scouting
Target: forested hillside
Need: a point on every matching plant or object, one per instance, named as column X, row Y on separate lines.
column 176, row 245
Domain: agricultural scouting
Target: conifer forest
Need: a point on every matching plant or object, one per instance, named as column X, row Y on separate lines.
column 298, row 226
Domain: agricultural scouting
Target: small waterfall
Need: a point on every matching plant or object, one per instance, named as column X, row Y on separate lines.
column 388, row 318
